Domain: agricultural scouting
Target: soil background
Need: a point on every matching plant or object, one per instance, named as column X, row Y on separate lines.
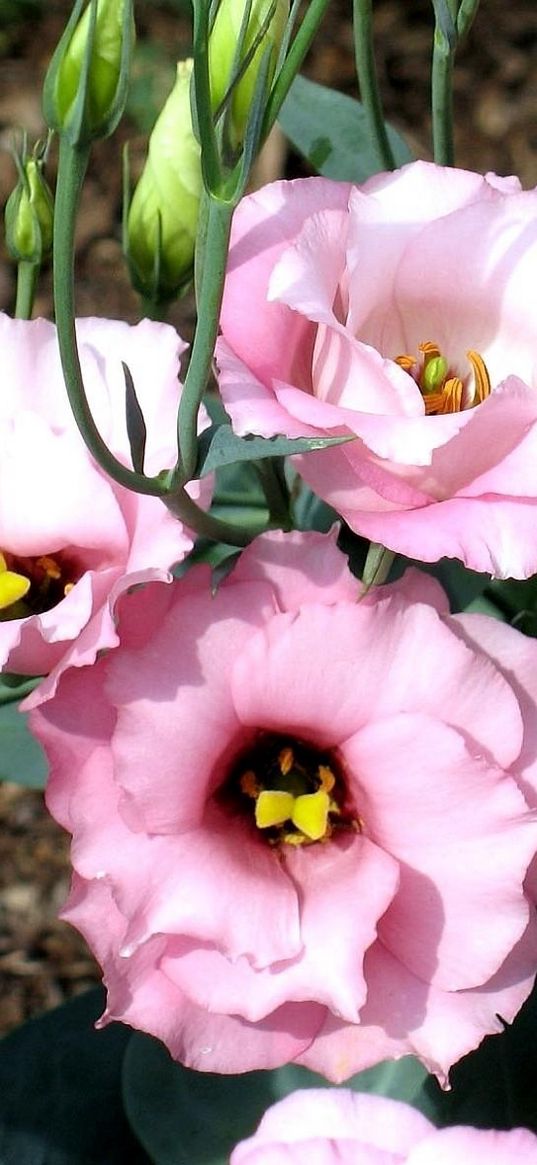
column 43, row 961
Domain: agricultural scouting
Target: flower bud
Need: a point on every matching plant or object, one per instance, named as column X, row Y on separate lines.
column 29, row 213
column 99, row 108
column 163, row 214
column 223, row 63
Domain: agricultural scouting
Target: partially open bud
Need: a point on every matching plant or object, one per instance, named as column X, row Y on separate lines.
column 225, row 61
column 29, row 212
column 89, row 105
column 163, row 214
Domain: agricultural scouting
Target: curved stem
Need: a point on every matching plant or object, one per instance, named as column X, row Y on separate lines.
column 293, row 60
column 27, row 275
column 368, row 82
column 182, row 506
column 72, row 166
column 218, row 227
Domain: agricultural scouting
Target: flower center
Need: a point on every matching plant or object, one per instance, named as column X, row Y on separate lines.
column 29, row 586
column 442, row 392
column 298, row 791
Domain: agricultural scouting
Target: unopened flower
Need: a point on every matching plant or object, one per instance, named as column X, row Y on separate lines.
column 400, row 311
column 340, row 1127
column 29, row 214
column 69, row 536
column 163, row 215
column 301, row 825
column 224, row 60
column 106, row 23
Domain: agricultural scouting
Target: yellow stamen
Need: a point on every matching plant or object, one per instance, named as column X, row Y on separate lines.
column 405, row 362
column 429, row 351
column 68, row 587
column 326, row 778
column 286, row 761
column 49, row 566
column 310, row 814
column 249, row 784
column 481, row 377
column 273, row 807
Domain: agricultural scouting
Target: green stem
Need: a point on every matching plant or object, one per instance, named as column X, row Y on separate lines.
column 72, row 166
column 444, row 45
column 218, row 227
column 27, row 276
column 297, row 51
column 368, row 82
column 270, row 471
column 182, row 506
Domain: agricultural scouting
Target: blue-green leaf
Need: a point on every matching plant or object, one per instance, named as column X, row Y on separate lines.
column 219, row 446
column 21, row 758
column 60, row 1098
column 330, row 130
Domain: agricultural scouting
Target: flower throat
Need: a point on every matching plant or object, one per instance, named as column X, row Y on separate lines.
column 441, row 392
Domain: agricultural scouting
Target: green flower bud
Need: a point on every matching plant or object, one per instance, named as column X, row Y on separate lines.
column 29, row 214
column 223, row 63
column 93, row 110
column 163, row 214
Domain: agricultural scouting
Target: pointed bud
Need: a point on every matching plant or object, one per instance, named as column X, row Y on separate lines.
column 163, row 215
column 29, row 212
column 86, row 84
column 267, row 22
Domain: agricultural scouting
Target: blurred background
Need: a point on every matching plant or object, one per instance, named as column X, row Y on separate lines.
column 42, row 961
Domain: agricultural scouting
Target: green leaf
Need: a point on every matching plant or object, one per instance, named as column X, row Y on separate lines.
column 60, row 1098
column 219, row 446
column 195, row 1118
column 15, row 687
column 21, row 758
column 330, row 130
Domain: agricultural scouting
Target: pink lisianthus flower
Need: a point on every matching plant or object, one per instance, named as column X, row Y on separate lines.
column 299, row 826
column 339, row 1127
column 400, row 311
column 70, row 538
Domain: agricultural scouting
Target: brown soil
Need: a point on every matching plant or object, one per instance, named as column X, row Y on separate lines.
column 43, row 961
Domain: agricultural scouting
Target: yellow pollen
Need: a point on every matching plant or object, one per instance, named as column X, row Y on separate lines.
column 273, row 807
column 310, row 814
column 68, row 587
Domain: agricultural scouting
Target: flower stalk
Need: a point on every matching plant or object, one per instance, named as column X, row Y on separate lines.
column 368, row 82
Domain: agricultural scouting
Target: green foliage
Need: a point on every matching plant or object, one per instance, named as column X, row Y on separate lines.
column 330, row 130
column 60, row 1098
column 21, row 758
column 219, row 446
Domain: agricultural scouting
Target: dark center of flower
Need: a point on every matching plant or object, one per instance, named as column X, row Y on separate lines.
column 442, row 392
column 29, row 586
column 297, row 791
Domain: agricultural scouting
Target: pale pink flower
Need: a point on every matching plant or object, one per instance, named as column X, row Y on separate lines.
column 66, row 530
column 339, row 1127
column 331, row 292
column 299, row 830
